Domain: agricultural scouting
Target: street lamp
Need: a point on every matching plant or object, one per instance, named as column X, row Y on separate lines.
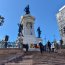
column 1, row 20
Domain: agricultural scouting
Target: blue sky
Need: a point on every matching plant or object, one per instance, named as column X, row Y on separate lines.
column 44, row 12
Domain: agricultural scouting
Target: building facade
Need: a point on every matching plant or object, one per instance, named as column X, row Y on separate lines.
column 61, row 22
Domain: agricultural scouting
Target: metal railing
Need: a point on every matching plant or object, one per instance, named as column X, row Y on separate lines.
column 9, row 44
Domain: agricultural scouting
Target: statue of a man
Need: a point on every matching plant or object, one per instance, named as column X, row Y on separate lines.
column 27, row 9
column 20, row 29
column 39, row 32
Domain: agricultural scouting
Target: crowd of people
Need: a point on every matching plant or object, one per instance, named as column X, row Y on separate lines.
column 51, row 47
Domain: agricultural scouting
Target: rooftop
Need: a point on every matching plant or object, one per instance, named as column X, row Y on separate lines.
column 62, row 8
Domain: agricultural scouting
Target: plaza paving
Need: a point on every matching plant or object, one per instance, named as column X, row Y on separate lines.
column 36, row 58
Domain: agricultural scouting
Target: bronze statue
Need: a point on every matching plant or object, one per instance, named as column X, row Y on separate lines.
column 39, row 32
column 27, row 9
column 20, row 29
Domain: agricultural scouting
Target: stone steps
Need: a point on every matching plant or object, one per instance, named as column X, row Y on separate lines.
column 9, row 57
column 35, row 58
column 49, row 59
column 18, row 64
column 26, row 60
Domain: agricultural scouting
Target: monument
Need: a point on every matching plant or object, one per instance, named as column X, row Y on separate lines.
column 61, row 22
column 26, row 30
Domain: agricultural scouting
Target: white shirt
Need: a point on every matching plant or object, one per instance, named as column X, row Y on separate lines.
column 52, row 46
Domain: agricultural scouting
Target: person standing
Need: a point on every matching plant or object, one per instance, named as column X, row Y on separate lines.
column 6, row 39
column 41, row 47
column 52, row 47
column 49, row 45
column 27, row 47
column 61, row 43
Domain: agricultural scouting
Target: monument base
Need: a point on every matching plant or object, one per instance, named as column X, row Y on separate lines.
column 33, row 43
column 32, row 49
column 10, row 50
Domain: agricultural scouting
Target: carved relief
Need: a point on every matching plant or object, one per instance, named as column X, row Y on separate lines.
column 29, row 27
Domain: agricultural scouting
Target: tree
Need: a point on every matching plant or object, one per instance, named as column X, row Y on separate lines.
column 1, row 20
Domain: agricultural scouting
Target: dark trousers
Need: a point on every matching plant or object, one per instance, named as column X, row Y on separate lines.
column 5, row 44
column 41, row 50
column 49, row 49
column 52, row 49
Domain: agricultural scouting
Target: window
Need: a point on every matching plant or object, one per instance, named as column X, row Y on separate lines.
column 64, row 29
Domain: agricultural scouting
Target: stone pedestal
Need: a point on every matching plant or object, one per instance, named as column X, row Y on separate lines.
column 28, row 31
